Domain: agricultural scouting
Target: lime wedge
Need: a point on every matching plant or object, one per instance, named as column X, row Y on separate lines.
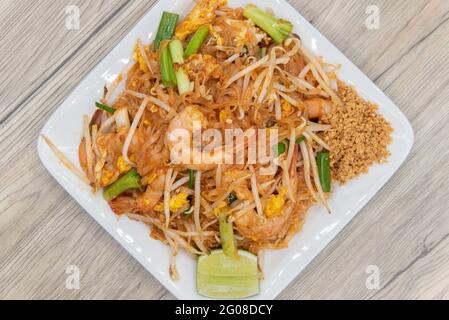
column 221, row 277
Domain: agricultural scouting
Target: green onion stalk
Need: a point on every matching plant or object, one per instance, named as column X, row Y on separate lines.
column 277, row 29
column 166, row 28
column 167, row 68
column 105, row 107
column 177, row 55
column 324, row 171
column 129, row 181
column 227, row 234
column 197, row 41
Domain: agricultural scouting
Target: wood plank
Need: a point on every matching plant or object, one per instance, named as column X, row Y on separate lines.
column 403, row 230
column 34, row 49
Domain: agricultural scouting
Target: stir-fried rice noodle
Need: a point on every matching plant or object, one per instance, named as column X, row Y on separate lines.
column 239, row 79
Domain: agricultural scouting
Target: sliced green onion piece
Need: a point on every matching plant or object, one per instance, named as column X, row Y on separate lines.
column 227, row 234
column 105, row 107
column 129, row 181
column 183, row 81
column 167, row 69
column 166, row 29
column 189, row 212
column 281, row 147
column 177, row 51
column 278, row 29
column 323, row 161
column 300, row 139
column 197, row 41
column 232, row 198
column 191, row 179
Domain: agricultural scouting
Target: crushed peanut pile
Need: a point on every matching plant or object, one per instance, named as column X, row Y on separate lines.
column 359, row 138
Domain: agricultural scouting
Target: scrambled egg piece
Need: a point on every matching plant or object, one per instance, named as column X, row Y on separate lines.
column 275, row 204
column 107, row 177
column 202, row 13
column 241, row 33
column 223, row 115
column 203, row 63
column 216, row 35
column 246, row 32
column 158, row 208
column 122, row 165
column 176, row 202
column 140, row 59
column 286, row 106
column 218, row 209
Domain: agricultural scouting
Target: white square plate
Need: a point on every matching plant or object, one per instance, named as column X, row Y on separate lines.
column 281, row 267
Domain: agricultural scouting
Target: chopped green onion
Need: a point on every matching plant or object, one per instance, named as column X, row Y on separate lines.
column 197, row 41
column 281, row 147
column 131, row 180
column 278, row 29
column 227, row 234
column 232, row 198
column 167, row 69
column 105, row 107
column 323, row 161
column 189, row 212
column 166, row 29
column 177, row 51
column 300, row 139
column 183, row 81
column 191, row 179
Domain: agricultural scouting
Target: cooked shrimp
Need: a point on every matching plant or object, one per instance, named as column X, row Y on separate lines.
column 123, row 204
column 145, row 202
column 260, row 229
column 179, row 141
column 317, row 107
column 154, row 192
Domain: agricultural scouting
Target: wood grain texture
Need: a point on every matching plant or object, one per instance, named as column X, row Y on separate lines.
column 404, row 230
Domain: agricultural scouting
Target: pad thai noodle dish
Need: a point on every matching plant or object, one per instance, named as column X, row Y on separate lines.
column 222, row 133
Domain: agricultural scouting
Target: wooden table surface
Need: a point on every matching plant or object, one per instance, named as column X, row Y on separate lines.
column 404, row 231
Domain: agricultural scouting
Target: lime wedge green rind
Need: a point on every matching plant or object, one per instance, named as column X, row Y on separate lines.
column 221, row 277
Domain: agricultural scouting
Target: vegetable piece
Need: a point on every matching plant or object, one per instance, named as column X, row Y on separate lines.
column 166, row 29
column 122, row 118
column 281, row 147
column 300, row 139
column 177, row 51
column 278, row 29
column 167, row 69
column 324, row 171
column 191, row 179
column 131, row 180
column 232, row 198
column 227, row 234
column 105, row 107
column 188, row 213
column 183, row 81
column 220, row 277
column 197, row 41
